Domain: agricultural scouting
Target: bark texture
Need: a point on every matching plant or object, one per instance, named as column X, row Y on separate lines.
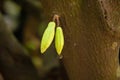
column 91, row 46
column 91, row 29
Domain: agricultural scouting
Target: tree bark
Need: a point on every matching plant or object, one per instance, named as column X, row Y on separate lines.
column 91, row 45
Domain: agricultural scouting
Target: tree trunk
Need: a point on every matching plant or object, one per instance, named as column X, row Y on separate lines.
column 91, row 31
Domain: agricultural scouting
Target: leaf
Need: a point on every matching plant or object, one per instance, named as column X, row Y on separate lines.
column 59, row 40
column 48, row 36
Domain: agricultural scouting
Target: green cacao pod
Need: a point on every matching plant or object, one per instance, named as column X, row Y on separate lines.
column 48, row 36
column 59, row 40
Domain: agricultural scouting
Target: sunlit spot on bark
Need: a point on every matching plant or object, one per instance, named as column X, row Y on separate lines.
column 114, row 45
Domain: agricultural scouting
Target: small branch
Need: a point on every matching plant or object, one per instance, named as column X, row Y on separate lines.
column 56, row 18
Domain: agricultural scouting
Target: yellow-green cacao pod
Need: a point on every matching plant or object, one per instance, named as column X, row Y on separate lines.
column 48, row 36
column 59, row 40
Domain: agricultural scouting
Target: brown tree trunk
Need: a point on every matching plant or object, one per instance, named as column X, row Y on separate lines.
column 91, row 30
